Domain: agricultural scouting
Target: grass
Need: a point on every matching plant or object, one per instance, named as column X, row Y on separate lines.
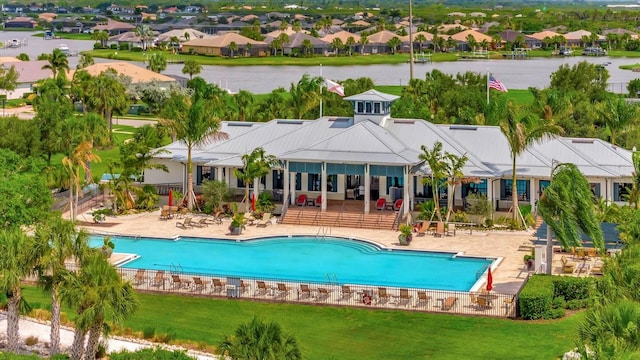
column 519, row 96
column 326, row 332
column 70, row 36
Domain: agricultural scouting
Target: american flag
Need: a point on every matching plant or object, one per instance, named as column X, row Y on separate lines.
column 496, row 84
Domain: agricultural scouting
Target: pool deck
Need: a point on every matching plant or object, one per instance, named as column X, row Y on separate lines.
column 509, row 246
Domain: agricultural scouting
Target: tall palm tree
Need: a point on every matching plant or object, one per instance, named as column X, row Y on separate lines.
column 73, row 163
column 522, row 130
column 56, row 241
column 244, row 101
column 304, row 96
column 233, row 47
column 57, row 62
column 260, row 341
column 16, row 263
column 255, row 165
column 195, row 124
column 364, row 41
column 438, row 166
column 618, row 115
column 393, row 44
column 145, row 33
column 98, row 293
column 191, row 67
column 85, row 60
column 107, row 95
column 455, row 164
column 421, row 39
column 634, row 195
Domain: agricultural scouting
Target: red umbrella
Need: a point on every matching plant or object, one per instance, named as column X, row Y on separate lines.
column 170, row 197
column 253, row 202
column 489, row 280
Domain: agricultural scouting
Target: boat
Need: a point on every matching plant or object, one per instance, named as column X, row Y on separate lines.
column 14, row 43
column 64, row 48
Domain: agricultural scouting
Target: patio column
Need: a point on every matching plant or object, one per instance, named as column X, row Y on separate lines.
column 323, row 186
column 292, row 185
column 411, row 190
column 285, row 184
column 490, row 194
column 227, row 176
column 219, row 173
column 533, row 195
column 367, row 189
column 405, row 196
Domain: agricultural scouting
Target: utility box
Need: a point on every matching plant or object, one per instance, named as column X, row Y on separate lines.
column 233, row 287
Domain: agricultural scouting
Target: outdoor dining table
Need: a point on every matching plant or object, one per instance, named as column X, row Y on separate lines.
column 488, row 297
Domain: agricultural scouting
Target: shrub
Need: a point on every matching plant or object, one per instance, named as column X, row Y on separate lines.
column 558, row 303
column 113, row 46
column 124, row 46
column 31, row 340
column 148, row 332
column 97, row 46
column 165, row 338
column 136, row 49
column 575, row 304
column 536, row 298
column 151, row 354
column 572, row 288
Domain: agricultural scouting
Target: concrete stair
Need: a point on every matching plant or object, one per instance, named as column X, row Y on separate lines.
column 312, row 216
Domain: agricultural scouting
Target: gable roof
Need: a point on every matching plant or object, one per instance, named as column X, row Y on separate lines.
column 382, row 37
column 544, row 34
column 223, row 41
column 29, row 71
column 136, row 73
column 342, row 35
column 462, row 36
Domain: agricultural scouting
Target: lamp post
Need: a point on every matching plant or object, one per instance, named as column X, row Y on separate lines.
column 410, row 40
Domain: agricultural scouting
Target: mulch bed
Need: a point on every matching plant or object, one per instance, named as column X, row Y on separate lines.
column 94, row 224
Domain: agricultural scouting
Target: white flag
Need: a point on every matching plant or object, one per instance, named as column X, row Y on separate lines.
column 334, row 87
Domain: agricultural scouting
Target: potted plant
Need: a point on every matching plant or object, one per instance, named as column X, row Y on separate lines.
column 529, row 261
column 107, row 247
column 238, row 222
column 405, row 234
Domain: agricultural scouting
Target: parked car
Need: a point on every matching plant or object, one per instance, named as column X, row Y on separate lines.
column 565, row 51
column 594, row 51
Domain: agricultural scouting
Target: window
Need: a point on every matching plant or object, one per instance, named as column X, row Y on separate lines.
column 521, row 185
column 376, row 108
column 479, row 188
column 368, row 108
column 204, row 173
column 298, row 181
column 395, row 181
column 277, row 177
column 240, row 182
column 621, row 191
column 360, row 106
column 595, row 189
column 542, row 185
column 313, row 182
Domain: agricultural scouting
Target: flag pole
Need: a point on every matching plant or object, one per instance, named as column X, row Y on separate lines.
column 488, row 87
column 321, row 81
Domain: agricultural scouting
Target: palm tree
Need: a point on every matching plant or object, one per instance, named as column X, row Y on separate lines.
column 107, row 95
column 57, row 241
column 255, row 165
column 566, row 205
column 438, row 167
column 438, row 43
column 364, row 40
column 102, row 37
column 57, row 62
column 618, row 115
column 73, row 163
column 393, row 44
column 157, row 62
column 336, row 45
column 85, row 61
column 455, row 164
column 233, row 47
column 471, row 42
column 145, row 33
column 522, row 130
column 304, row 96
column 260, row 341
column 98, row 293
column 351, row 42
column 194, row 122
column 15, row 265
column 634, row 195
column 307, row 46
column 421, row 39
column 244, row 101
column 610, row 332
column 191, row 67
column 496, row 40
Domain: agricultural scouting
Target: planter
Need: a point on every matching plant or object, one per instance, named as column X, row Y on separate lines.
column 235, row 230
column 107, row 252
column 404, row 239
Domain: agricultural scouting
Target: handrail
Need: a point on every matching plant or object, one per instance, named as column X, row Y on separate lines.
column 481, row 271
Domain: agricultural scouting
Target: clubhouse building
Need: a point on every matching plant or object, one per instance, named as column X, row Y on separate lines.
column 373, row 155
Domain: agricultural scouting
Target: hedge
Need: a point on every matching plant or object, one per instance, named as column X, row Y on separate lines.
column 536, row 298
column 150, row 354
column 572, row 288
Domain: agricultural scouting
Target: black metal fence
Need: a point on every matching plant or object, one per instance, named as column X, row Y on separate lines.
column 326, row 293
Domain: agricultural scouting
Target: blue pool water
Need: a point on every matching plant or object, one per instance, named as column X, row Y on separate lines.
column 305, row 259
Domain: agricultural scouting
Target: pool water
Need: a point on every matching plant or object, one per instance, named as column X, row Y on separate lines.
column 304, row 259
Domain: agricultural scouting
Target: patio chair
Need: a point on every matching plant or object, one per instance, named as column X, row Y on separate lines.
column 249, row 218
column 178, row 283
column 199, row 284
column 439, row 229
column 404, row 299
column 244, row 287
column 266, row 220
column 158, row 280
column 185, row 224
column 449, row 303
column 474, row 300
column 451, row 229
column 164, row 214
column 383, row 296
column 597, row 269
column 302, row 200
column 395, row 206
column 323, row 294
column 381, row 204
column 346, row 293
column 140, row 278
column 422, row 228
column 423, row 299
column 183, row 212
column 200, row 223
column 217, row 286
column 281, row 291
column 568, row 267
column 217, row 218
column 261, row 288
column 318, row 201
column 304, row 292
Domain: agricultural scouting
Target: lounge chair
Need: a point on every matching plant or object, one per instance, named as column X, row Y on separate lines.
column 185, row 224
column 217, row 286
column 451, row 229
column 381, row 204
column 217, row 218
column 304, row 292
column 249, row 218
column 395, row 206
column 179, row 283
column 201, row 223
column 346, row 293
column 597, row 269
column 383, row 296
column 422, row 228
column 281, row 291
column 182, row 212
column 423, row 299
column 164, row 214
column 158, row 280
column 449, row 303
column 439, row 229
column 302, row 200
column 404, row 299
column 266, row 220
column 140, row 278
column 243, row 287
column 323, row 294
column 261, row 288
column 568, row 267
column 318, row 201
column 199, row 284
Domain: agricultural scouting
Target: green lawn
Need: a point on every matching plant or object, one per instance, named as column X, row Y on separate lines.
column 347, row 333
column 71, row 36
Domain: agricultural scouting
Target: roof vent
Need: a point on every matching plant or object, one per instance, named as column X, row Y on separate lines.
column 245, row 124
column 404, row 121
column 339, row 119
column 462, row 127
column 582, row 141
column 290, row 122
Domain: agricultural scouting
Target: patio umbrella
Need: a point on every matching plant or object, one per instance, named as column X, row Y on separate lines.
column 489, row 280
column 253, row 202
column 170, row 197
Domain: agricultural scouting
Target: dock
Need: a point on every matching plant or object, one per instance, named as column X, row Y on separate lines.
column 421, row 59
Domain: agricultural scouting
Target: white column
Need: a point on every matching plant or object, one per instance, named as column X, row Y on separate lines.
column 405, row 200
column 292, row 187
column 323, row 186
column 492, row 202
column 533, row 194
column 367, row 189
column 411, row 191
column 227, row 177
column 219, row 173
column 285, row 184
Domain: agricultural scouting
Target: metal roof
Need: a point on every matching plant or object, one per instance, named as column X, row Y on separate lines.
column 372, row 95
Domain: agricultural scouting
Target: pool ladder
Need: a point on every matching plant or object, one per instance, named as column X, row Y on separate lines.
column 323, row 231
column 331, row 279
column 176, row 268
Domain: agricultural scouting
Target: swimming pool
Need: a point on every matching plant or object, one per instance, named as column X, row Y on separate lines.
column 305, row 259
